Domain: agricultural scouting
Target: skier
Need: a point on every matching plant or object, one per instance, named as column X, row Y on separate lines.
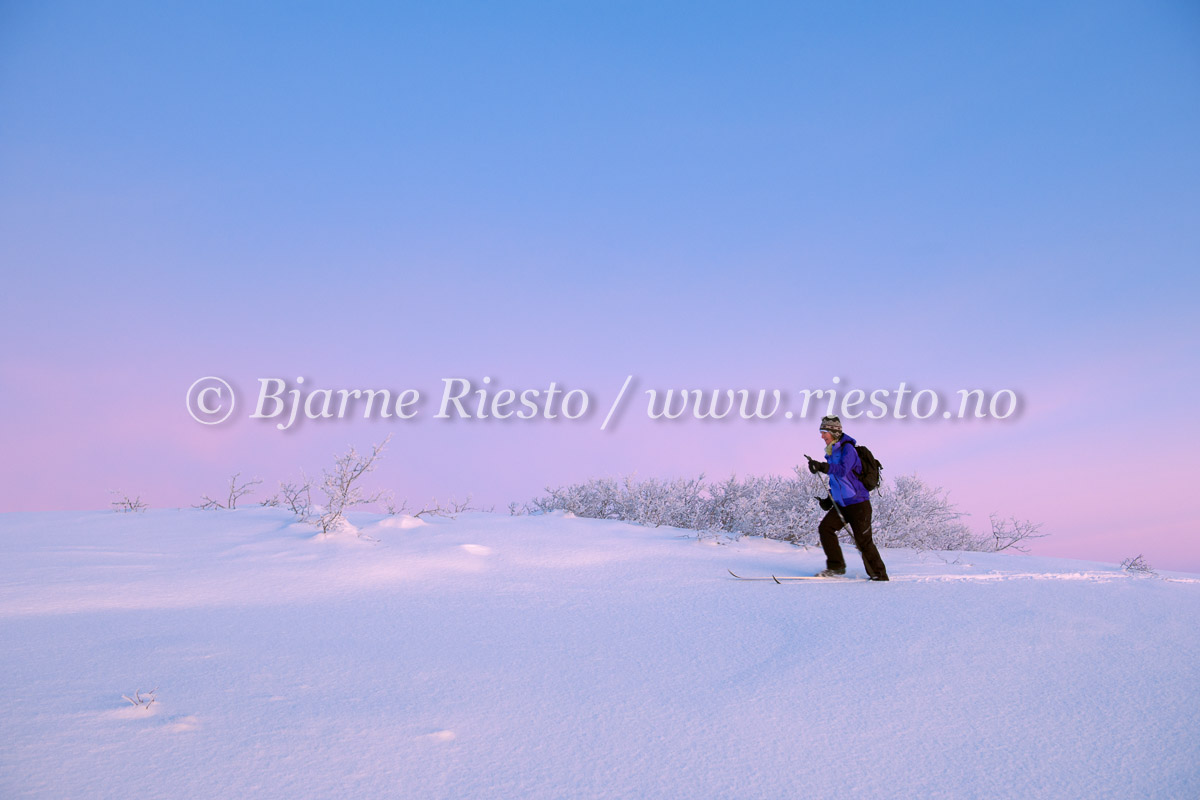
column 849, row 503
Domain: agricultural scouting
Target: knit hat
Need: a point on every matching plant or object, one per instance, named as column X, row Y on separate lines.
column 833, row 425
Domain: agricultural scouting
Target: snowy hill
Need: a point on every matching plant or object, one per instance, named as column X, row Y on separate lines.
column 553, row 657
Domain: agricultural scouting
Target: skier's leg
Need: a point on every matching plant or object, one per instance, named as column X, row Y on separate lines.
column 859, row 516
column 829, row 541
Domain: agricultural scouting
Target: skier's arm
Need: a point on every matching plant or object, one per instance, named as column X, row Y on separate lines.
column 850, row 462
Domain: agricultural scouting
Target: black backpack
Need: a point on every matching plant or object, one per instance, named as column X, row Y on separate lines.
column 869, row 472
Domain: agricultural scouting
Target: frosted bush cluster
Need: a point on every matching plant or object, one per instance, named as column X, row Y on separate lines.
column 910, row 513
column 1137, row 566
column 907, row 512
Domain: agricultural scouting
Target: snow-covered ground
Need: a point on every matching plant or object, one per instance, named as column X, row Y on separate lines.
column 553, row 657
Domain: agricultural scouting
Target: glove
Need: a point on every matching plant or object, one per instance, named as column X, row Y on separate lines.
column 825, row 502
column 817, row 466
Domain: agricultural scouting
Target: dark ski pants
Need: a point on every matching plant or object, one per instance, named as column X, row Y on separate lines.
column 859, row 517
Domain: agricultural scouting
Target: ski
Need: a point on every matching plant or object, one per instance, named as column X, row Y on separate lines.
column 782, row 578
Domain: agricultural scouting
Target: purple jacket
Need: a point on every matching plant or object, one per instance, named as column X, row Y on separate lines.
column 845, row 486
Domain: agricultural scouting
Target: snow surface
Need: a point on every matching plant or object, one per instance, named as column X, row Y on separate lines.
column 554, row 657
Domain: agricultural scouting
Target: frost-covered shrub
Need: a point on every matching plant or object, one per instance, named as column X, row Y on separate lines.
column 907, row 513
column 125, row 503
column 236, row 491
column 910, row 513
column 770, row 506
column 343, row 490
column 1137, row 566
column 1012, row 533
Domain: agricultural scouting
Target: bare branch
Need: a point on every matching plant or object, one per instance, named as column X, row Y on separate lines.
column 138, row 701
column 298, row 497
column 236, row 490
column 124, row 503
column 1013, row 533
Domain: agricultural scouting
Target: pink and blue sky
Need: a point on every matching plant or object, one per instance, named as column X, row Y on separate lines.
column 733, row 195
